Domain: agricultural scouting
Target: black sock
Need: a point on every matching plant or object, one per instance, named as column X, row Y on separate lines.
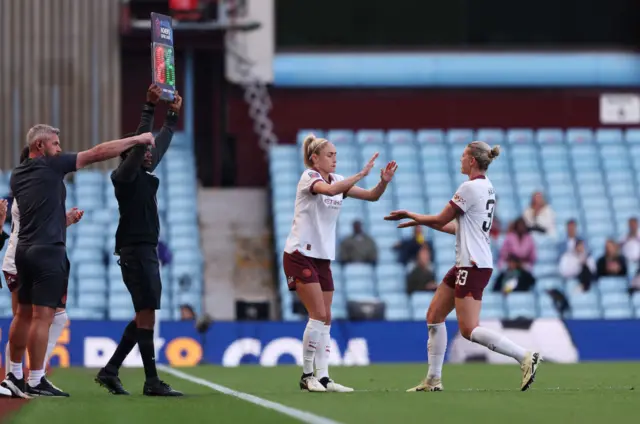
column 147, row 351
column 127, row 342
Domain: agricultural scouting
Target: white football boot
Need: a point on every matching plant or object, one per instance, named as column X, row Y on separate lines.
column 311, row 384
column 332, row 386
column 428, row 385
column 529, row 368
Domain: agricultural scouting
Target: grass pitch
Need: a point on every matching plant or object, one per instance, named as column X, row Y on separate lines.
column 474, row 393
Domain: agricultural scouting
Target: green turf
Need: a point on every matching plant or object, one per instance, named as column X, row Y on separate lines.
column 585, row 393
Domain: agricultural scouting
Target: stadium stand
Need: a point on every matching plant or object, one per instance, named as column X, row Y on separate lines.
column 96, row 289
column 584, row 174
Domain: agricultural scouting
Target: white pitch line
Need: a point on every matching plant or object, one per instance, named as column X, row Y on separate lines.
column 305, row 417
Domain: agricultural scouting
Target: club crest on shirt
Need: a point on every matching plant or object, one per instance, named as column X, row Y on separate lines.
column 458, row 198
column 314, row 174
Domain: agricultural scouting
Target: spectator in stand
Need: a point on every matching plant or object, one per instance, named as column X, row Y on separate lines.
column 612, row 263
column 539, row 216
column 572, row 238
column 187, row 313
column 518, row 243
column 164, row 253
column 421, row 277
column 630, row 244
column 514, row 278
column 408, row 248
column 358, row 247
column 577, row 263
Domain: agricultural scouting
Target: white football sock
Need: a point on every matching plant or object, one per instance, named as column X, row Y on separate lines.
column 16, row 369
column 59, row 321
column 436, row 347
column 35, row 376
column 498, row 343
column 322, row 354
column 310, row 341
column 7, row 359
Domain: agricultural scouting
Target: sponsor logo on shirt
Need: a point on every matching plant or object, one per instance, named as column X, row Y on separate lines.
column 333, row 203
column 458, row 199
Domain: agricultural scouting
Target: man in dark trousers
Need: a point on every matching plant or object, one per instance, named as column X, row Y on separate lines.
column 41, row 254
column 137, row 245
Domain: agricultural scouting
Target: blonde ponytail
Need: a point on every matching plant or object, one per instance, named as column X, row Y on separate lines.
column 310, row 146
column 483, row 153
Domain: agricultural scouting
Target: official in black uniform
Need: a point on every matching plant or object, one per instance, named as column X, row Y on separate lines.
column 41, row 254
column 136, row 244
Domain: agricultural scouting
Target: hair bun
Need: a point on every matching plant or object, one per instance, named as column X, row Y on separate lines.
column 495, row 152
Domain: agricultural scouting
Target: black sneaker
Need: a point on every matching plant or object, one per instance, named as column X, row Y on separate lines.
column 64, row 394
column 110, row 382
column 158, row 387
column 18, row 388
column 45, row 388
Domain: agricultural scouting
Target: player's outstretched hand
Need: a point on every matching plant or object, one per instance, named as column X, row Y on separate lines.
column 367, row 168
column 387, row 173
column 397, row 216
column 153, row 94
column 176, row 104
column 408, row 224
column 146, row 138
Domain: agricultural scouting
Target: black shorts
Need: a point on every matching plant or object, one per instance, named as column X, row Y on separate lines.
column 141, row 274
column 44, row 275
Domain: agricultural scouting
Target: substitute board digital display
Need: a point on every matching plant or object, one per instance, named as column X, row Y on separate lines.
column 162, row 55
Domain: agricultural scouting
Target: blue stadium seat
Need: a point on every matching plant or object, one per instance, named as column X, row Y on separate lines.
column 400, row 137
column 612, row 300
column 430, row 137
column 579, row 135
column 121, row 314
column 88, row 313
column 618, row 312
column 586, row 300
column 338, row 137
column 370, row 137
column 396, row 301
column 520, row 136
column 459, row 136
column 490, row 135
column 549, row 136
column 586, row 313
column 397, row 314
column 632, row 136
column 521, row 305
column 91, row 300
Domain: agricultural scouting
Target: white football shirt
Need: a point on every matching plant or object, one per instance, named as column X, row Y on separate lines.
column 315, row 217
column 9, row 263
column 475, row 201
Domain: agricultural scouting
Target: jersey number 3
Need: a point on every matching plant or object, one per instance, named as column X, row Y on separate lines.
column 486, row 225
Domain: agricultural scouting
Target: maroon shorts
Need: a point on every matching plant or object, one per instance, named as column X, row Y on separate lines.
column 12, row 281
column 468, row 281
column 302, row 269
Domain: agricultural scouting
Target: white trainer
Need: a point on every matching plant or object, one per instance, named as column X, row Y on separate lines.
column 529, row 368
column 4, row 392
column 332, row 386
column 311, row 384
column 428, row 385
